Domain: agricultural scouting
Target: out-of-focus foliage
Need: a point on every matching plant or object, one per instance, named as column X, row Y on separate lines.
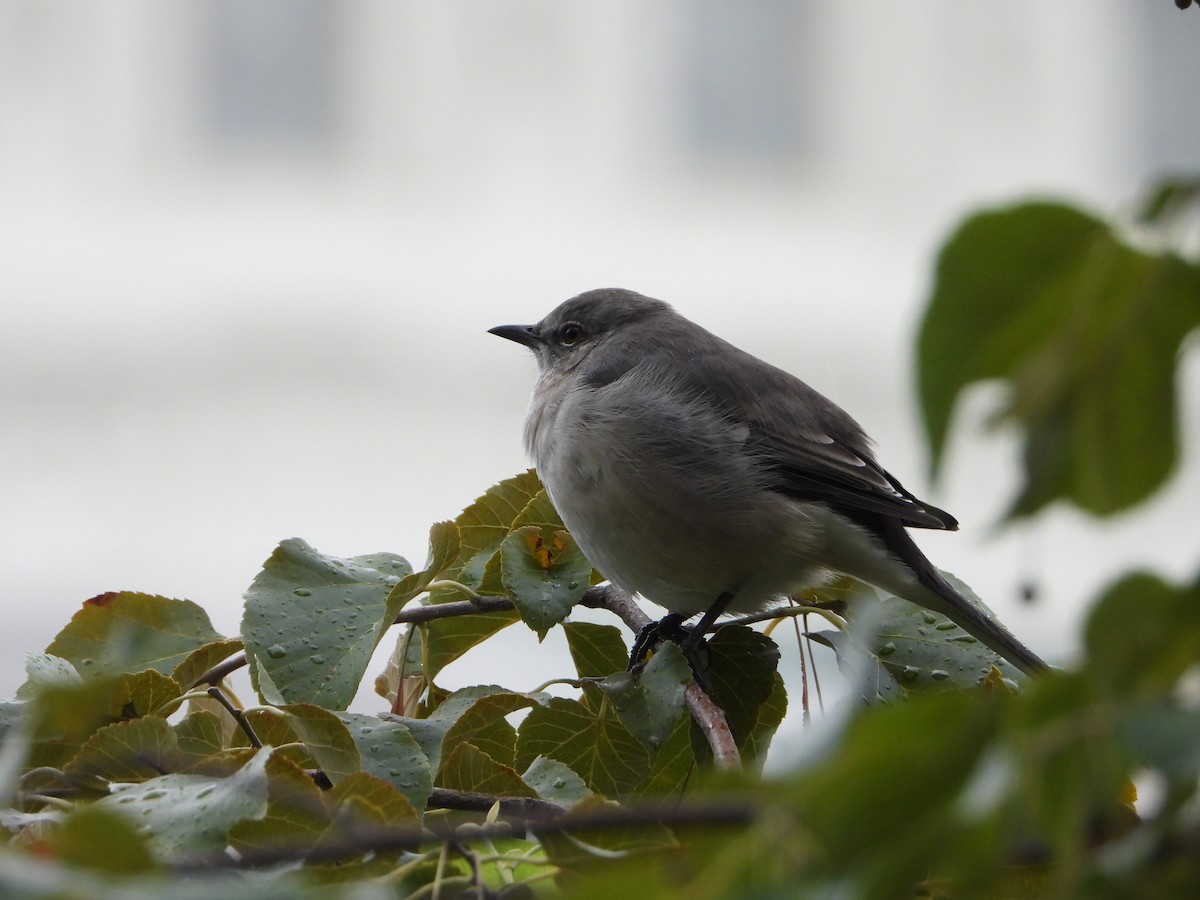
column 1083, row 326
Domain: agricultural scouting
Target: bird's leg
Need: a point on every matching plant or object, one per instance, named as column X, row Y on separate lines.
column 695, row 638
column 695, row 648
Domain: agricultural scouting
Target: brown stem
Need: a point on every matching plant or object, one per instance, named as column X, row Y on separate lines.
column 404, row 837
column 527, row 809
column 240, row 717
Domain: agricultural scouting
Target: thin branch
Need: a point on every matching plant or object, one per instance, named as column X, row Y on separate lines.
column 784, row 612
column 448, row 585
column 711, row 719
column 412, row 614
column 456, row 608
column 405, row 837
column 240, row 717
column 525, row 809
column 220, row 670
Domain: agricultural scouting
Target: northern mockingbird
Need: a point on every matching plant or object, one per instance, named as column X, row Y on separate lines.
column 709, row 481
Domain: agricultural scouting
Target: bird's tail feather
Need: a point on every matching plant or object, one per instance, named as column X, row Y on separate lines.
column 936, row 593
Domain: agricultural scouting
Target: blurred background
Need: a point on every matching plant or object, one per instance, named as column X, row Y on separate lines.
column 250, row 253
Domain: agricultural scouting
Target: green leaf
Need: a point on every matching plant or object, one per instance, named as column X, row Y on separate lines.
column 770, row 715
column 65, row 715
column 1073, row 772
column 387, row 751
column 116, row 633
column 556, row 782
column 583, row 845
column 362, row 805
column 200, row 660
column 301, row 817
column 482, row 527
column 895, row 647
column 183, row 816
column 741, row 676
column 467, row 768
column 1143, row 635
column 296, row 817
column 199, row 737
column 484, row 726
column 1168, row 198
column 1085, row 333
column 312, row 621
column 327, row 739
column 100, row 839
column 893, row 766
column 149, row 692
column 445, row 640
column 47, row 670
column 431, row 734
column 444, row 549
column 272, row 725
column 393, row 806
column 674, row 764
column 869, row 679
column 597, row 650
column 137, row 750
column 1165, row 737
column 650, row 703
column 484, row 524
column 598, row 747
column 545, row 574
column 14, row 723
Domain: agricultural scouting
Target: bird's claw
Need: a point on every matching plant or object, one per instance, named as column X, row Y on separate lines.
column 671, row 628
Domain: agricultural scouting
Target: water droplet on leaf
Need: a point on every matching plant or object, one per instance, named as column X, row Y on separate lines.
column 277, row 651
column 302, row 592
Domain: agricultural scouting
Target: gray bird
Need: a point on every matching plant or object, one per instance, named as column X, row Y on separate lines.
column 709, row 481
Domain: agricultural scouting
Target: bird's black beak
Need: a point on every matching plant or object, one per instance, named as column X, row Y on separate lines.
column 522, row 334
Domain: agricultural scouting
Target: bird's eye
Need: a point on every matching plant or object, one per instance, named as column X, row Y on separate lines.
column 569, row 334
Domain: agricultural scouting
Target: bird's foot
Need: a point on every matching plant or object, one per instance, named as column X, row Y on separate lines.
column 671, row 628
column 668, row 628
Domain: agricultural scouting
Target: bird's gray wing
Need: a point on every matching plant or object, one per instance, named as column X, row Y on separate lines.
column 809, row 447
column 819, row 467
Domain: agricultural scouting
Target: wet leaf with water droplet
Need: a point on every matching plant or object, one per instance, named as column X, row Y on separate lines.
column 184, row 816
column 537, row 568
column 312, row 621
column 905, row 648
